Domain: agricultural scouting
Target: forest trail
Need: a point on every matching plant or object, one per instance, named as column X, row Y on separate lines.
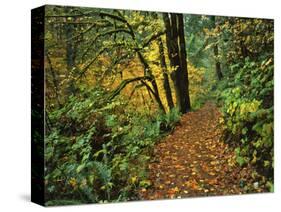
column 192, row 161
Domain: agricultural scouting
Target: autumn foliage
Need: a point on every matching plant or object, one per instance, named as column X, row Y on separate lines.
column 145, row 105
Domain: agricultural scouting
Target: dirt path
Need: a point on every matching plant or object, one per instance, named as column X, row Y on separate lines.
column 192, row 161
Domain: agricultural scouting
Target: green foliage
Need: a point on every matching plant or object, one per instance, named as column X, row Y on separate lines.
column 247, row 92
column 95, row 148
column 168, row 121
column 105, row 81
column 248, row 114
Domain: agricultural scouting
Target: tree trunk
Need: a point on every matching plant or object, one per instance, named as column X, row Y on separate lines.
column 177, row 55
column 183, row 62
column 171, row 43
column 166, row 83
column 216, row 52
column 69, row 46
column 147, row 72
column 218, row 64
column 70, row 56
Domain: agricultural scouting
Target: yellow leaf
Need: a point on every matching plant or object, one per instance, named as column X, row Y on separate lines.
column 212, row 173
column 134, row 179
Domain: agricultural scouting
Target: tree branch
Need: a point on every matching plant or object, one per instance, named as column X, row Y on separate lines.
column 87, row 30
column 73, row 15
column 124, row 83
column 119, row 18
column 85, row 69
column 134, row 90
column 110, row 32
column 148, row 88
column 153, row 37
column 104, row 34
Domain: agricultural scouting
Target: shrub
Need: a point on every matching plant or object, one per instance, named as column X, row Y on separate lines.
column 96, row 151
column 248, row 114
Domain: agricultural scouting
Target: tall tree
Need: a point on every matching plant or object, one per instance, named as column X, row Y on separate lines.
column 177, row 54
column 166, row 83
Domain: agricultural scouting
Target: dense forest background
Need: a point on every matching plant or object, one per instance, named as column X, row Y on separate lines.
column 118, row 83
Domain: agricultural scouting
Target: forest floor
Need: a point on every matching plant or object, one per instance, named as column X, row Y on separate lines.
column 193, row 161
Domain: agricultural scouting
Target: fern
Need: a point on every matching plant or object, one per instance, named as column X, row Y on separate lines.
column 173, row 116
column 103, row 172
column 168, row 121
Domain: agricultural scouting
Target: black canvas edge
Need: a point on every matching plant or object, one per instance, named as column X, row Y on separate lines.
column 37, row 105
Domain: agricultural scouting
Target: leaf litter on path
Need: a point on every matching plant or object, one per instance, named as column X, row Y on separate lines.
column 193, row 161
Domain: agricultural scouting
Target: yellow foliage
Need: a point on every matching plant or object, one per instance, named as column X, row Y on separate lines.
column 134, row 179
column 73, row 182
column 250, row 107
column 196, row 78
